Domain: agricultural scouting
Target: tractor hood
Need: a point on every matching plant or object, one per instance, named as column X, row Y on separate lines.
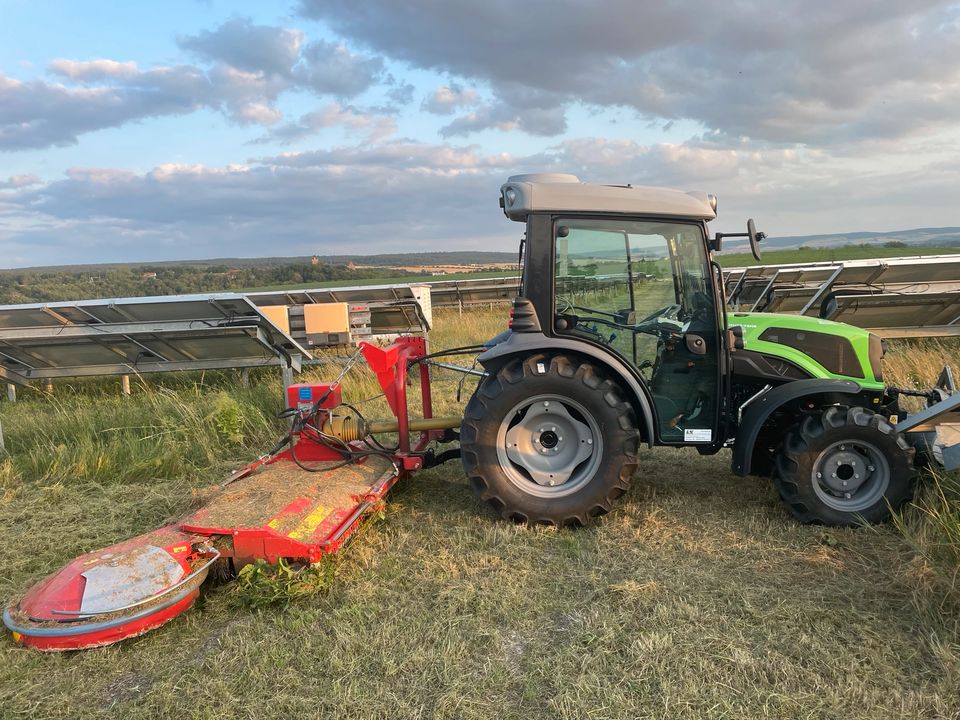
column 821, row 348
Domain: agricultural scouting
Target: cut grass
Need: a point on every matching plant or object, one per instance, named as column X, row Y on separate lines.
column 697, row 597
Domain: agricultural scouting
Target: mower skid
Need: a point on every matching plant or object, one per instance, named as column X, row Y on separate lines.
column 118, row 592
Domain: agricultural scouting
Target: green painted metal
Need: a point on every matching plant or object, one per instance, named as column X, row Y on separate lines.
column 754, row 324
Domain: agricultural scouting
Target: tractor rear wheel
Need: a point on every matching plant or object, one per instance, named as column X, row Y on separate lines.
column 844, row 467
column 549, row 440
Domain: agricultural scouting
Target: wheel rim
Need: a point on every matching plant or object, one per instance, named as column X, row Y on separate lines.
column 549, row 446
column 851, row 476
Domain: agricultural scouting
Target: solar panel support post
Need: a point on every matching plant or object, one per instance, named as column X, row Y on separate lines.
column 11, row 392
column 125, row 384
column 245, row 378
column 3, row 446
column 287, row 374
column 822, row 291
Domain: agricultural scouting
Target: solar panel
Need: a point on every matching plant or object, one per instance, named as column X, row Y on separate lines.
column 137, row 335
column 900, row 315
column 453, row 293
column 807, row 288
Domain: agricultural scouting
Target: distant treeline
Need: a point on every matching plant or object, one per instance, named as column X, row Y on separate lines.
column 86, row 282
column 455, row 257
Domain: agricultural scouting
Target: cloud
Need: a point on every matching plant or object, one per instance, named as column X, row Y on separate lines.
column 811, row 73
column 39, row 114
column 321, row 66
column 93, row 70
column 402, row 94
column 375, row 127
column 332, row 68
column 446, row 99
column 245, row 46
column 546, row 122
column 405, row 199
column 407, row 196
column 16, row 182
column 251, row 66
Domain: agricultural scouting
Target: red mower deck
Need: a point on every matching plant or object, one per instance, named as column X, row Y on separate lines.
column 288, row 506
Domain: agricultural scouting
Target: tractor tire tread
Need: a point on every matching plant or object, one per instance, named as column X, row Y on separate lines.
column 570, row 369
column 793, row 466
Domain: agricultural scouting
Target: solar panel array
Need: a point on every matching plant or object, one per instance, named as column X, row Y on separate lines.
column 138, row 335
column 895, row 297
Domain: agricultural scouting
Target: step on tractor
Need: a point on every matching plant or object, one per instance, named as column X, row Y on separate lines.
column 619, row 340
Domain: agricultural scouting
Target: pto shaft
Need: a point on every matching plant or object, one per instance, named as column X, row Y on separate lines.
column 350, row 428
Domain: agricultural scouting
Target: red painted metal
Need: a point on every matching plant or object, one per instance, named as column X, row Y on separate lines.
column 305, row 395
column 318, row 530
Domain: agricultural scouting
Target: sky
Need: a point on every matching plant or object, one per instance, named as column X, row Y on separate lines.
column 195, row 129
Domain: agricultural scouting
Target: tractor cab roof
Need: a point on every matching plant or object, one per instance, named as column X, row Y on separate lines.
column 522, row 195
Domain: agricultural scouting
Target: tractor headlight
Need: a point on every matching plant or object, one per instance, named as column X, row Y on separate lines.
column 712, row 199
column 510, row 195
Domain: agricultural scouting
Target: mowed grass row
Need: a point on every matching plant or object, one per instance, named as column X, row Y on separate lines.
column 698, row 597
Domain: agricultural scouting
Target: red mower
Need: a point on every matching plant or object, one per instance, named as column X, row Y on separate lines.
column 300, row 502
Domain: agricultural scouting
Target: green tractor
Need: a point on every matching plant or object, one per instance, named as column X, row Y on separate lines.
column 620, row 337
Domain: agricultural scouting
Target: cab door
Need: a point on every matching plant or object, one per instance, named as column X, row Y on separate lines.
column 643, row 289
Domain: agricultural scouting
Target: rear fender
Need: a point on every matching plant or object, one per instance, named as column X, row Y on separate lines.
column 760, row 410
column 528, row 343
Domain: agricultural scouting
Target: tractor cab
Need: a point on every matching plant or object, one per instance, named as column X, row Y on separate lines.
column 625, row 272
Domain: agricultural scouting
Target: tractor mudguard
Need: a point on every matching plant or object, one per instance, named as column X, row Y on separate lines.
column 526, row 343
column 758, row 411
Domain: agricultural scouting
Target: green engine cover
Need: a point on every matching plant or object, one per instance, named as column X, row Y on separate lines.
column 822, row 348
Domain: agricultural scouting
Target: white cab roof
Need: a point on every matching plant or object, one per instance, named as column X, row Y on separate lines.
column 555, row 192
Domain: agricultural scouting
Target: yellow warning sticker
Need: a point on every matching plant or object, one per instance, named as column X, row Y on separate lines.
column 308, row 526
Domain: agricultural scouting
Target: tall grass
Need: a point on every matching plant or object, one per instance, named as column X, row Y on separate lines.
column 931, row 525
column 158, row 432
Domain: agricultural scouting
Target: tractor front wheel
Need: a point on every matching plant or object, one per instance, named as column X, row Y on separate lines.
column 844, row 467
column 549, row 440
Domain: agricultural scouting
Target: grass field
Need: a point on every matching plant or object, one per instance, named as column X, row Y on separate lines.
column 697, row 597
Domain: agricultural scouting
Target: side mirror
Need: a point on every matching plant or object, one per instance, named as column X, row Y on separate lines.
column 755, row 238
column 751, row 234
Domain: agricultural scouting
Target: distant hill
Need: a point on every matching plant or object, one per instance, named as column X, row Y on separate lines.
column 936, row 237
column 917, row 237
column 465, row 257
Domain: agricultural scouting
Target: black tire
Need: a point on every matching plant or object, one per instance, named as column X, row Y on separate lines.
column 588, row 407
column 844, row 467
